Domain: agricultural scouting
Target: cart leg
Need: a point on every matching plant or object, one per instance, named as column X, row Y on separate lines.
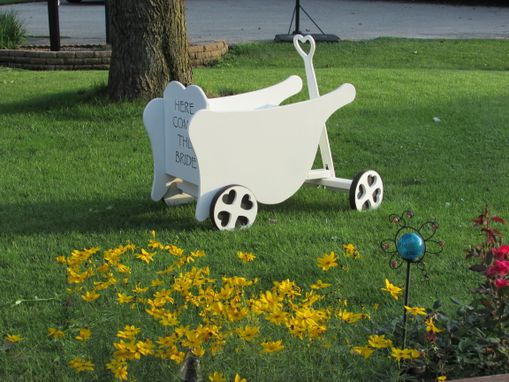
column 175, row 196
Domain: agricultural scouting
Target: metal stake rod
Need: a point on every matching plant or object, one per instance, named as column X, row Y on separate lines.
column 297, row 17
column 407, row 288
column 54, row 25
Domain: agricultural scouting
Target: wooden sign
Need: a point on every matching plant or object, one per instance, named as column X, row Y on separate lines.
column 180, row 105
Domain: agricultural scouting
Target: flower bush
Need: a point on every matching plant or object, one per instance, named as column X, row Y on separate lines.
column 154, row 304
column 472, row 342
column 184, row 313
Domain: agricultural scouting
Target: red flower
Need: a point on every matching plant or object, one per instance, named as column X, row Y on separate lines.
column 501, row 283
column 500, row 268
column 501, row 252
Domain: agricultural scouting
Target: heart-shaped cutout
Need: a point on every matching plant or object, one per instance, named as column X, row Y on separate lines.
column 299, row 41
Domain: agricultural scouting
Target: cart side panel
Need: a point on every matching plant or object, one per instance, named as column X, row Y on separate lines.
column 180, row 105
column 268, row 151
column 271, row 96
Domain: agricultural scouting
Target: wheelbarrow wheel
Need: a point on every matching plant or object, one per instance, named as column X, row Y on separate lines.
column 366, row 191
column 233, row 207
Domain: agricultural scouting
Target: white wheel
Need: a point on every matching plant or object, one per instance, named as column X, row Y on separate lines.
column 366, row 191
column 233, row 207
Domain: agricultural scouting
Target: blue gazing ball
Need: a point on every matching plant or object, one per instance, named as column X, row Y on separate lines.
column 411, row 246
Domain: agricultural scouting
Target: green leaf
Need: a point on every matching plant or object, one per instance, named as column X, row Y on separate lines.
column 478, row 268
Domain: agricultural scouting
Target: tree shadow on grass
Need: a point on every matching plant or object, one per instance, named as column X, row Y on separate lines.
column 95, row 95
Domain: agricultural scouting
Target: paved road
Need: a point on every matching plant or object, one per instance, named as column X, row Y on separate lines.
column 248, row 20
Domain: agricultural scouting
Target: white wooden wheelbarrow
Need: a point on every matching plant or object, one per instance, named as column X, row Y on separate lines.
column 231, row 153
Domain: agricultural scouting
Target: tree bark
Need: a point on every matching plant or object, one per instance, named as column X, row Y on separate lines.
column 149, row 48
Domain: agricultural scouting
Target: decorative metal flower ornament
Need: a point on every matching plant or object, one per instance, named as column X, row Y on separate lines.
column 411, row 244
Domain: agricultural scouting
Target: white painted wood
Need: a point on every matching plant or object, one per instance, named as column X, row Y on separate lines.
column 178, row 199
column 180, row 105
column 268, row 151
column 336, row 184
column 153, row 117
column 174, row 195
column 189, row 188
column 234, row 207
column 367, row 191
column 268, row 97
column 313, row 91
column 166, row 124
column 318, row 173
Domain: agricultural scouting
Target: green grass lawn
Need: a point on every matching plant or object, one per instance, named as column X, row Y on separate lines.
column 76, row 172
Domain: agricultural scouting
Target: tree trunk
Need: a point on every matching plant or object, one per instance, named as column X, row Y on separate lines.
column 149, row 47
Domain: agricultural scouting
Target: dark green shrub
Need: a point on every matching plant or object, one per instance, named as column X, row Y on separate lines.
column 12, row 33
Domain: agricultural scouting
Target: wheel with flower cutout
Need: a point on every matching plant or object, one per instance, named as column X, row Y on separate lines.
column 366, row 191
column 233, row 207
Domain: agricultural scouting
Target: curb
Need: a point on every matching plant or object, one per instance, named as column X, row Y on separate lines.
column 93, row 57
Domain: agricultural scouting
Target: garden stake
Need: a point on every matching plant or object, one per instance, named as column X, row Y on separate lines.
column 411, row 245
column 191, row 370
column 407, row 288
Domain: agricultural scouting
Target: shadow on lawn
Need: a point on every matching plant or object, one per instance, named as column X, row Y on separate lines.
column 94, row 96
column 124, row 214
column 91, row 216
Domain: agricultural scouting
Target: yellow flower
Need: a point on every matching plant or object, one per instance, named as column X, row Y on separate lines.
column 442, row 378
column 119, row 368
column 398, row 354
column 350, row 317
column 129, row 332
column 272, row 346
column 80, row 364
column 155, row 283
column 364, row 351
column 217, row 377
column 287, row 288
column 248, row 333
column 123, row 268
column 246, row 257
column 413, row 353
column 145, row 256
column 174, row 250
column 84, row 334
column 199, row 253
column 430, row 326
column 13, row 338
column 139, row 289
column 61, row 260
column 168, row 318
column 90, row 296
column 327, row 261
column 124, row 298
column 379, row 342
column 320, row 285
column 415, row 310
column 351, row 251
column 55, row 333
column 394, row 291
column 238, row 378
column 145, row 347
